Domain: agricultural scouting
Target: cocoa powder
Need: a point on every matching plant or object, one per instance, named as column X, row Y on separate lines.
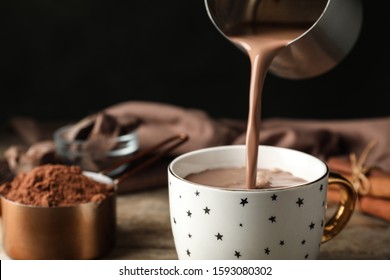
column 55, row 185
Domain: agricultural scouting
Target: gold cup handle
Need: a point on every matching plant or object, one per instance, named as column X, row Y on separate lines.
column 343, row 213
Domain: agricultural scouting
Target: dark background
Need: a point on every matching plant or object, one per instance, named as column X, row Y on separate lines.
column 65, row 59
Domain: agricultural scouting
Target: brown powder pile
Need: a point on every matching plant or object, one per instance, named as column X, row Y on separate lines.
column 55, row 185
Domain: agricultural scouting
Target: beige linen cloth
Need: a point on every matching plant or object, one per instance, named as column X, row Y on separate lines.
column 320, row 138
column 328, row 140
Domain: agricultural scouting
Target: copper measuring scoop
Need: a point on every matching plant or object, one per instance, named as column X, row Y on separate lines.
column 85, row 231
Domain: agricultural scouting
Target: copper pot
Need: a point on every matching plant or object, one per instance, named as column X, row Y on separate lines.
column 85, row 231
column 335, row 28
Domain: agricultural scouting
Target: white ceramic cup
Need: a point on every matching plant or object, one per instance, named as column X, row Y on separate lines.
column 277, row 223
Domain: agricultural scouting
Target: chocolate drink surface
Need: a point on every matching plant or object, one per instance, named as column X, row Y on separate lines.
column 235, row 177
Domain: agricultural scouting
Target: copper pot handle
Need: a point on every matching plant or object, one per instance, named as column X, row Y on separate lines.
column 346, row 207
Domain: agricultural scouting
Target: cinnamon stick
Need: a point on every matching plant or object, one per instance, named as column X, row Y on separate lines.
column 374, row 206
column 379, row 179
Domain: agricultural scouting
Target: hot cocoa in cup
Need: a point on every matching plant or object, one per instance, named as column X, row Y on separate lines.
column 234, row 178
column 281, row 222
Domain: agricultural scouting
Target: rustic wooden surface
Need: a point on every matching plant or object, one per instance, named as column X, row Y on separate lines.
column 144, row 229
column 144, row 232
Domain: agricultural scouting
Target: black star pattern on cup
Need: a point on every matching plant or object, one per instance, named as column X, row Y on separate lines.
column 244, row 201
column 321, row 188
column 272, row 219
column 299, row 201
column 323, row 203
column 237, row 254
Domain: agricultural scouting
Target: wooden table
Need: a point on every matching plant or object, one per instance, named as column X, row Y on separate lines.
column 144, row 231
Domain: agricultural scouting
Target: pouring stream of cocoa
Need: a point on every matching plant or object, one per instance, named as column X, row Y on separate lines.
column 262, row 43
